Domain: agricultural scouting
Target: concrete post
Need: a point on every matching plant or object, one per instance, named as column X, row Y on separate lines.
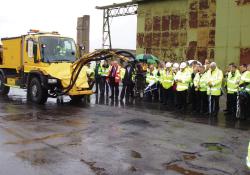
column 83, row 27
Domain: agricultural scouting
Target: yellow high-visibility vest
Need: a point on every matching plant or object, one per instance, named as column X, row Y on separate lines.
column 233, row 82
column 184, row 78
column 167, row 79
column 215, row 78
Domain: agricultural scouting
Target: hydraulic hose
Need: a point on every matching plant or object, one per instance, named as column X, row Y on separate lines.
column 95, row 56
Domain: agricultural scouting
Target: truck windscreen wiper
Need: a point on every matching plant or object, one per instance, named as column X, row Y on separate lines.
column 60, row 61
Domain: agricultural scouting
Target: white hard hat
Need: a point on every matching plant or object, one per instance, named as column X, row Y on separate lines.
column 213, row 64
column 168, row 64
column 1, row 42
column 176, row 65
column 183, row 65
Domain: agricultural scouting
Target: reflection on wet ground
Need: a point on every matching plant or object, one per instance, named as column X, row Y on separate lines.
column 108, row 137
column 159, row 109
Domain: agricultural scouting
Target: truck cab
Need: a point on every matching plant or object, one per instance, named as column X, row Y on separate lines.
column 42, row 63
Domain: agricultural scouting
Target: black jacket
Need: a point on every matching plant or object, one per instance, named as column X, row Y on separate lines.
column 127, row 80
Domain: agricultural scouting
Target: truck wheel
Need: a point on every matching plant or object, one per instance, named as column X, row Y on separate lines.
column 36, row 93
column 76, row 98
column 4, row 90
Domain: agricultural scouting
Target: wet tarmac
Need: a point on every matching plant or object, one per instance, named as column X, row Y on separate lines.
column 107, row 137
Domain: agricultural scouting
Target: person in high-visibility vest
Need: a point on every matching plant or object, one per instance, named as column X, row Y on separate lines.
column 200, row 84
column 245, row 91
column 233, row 80
column 97, row 77
column 248, row 156
column 226, row 73
column 161, row 72
column 167, row 81
column 214, row 79
column 194, row 69
column 152, row 80
column 103, row 71
column 182, row 79
column 175, row 69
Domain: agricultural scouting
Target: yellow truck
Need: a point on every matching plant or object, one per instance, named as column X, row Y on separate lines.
column 43, row 63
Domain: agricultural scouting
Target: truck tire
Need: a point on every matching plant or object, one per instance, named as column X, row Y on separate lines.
column 76, row 98
column 4, row 90
column 36, row 93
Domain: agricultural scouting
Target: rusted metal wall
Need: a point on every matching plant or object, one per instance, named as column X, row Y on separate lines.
column 195, row 29
column 177, row 29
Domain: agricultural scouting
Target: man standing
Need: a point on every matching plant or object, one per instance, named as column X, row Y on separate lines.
column 161, row 72
column 233, row 80
column 200, row 83
column 215, row 77
column 167, row 81
column 128, row 82
column 182, row 78
column 97, row 77
column 103, row 72
column 245, row 91
column 114, row 79
column 152, row 80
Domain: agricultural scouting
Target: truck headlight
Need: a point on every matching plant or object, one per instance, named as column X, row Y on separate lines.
column 52, row 81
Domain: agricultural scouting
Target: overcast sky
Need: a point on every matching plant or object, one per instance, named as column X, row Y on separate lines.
column 18, row 16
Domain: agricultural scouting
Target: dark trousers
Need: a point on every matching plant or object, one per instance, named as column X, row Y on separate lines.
column 104, row 86
column 114, row 87
column 244, row 106
column 227, row 103
column 201, row 102
column 152, row 93
column 161, row 91
column 97, row 84
column 182, row 99
column 215, row 105
column 192, row 96
column 168, row 96
column 127, row 90
column 232, row 103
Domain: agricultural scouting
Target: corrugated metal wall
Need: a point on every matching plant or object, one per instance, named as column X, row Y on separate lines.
column 187, row 29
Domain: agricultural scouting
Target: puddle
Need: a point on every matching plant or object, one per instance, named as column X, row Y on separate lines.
column 138, row 122
column 182, row 170
column 135, row 154
column 216, row 147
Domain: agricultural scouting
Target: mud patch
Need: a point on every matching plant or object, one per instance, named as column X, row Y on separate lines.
column 40, row 157
column 41, row 139
column 138, row 122
column 189, row 157
column 182, row 170
column 135, row 154
column 95, row 169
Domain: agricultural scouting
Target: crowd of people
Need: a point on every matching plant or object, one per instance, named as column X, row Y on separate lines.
column 182, row 86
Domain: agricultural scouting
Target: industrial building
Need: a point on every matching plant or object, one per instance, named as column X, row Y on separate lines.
column 193, row 29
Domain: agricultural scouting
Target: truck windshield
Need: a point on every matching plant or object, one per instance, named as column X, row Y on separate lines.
column 57, row 49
